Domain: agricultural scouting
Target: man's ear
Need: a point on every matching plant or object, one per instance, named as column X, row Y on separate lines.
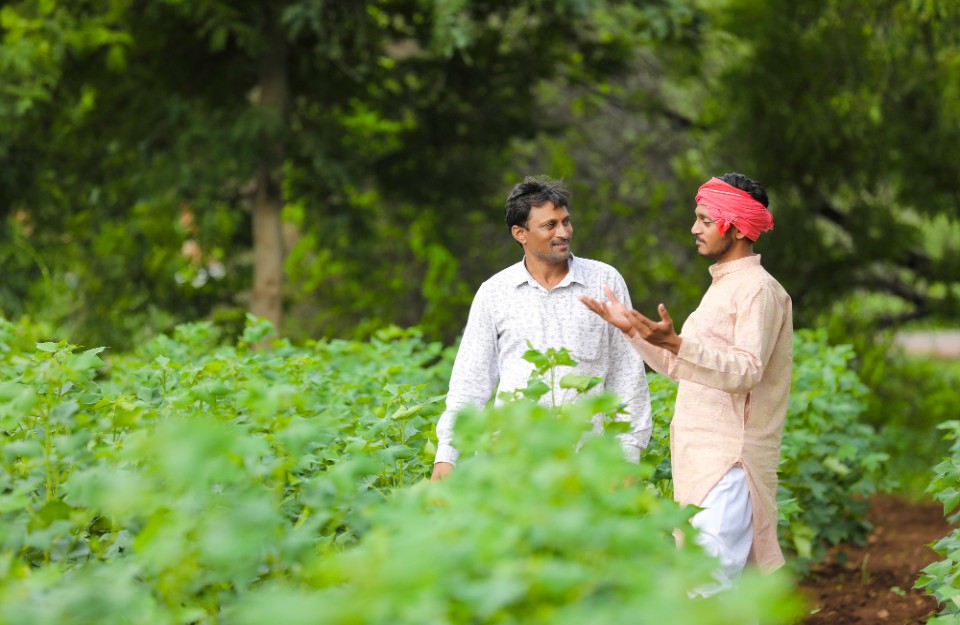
column 739, row 235
column 519, row 233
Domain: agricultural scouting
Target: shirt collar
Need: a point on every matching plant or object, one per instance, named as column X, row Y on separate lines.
column 718, row 270
column 519, row 274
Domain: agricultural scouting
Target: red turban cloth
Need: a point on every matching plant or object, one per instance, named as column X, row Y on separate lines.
column 730, row 206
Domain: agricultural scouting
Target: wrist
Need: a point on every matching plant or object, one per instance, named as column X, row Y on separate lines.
column 675, row 344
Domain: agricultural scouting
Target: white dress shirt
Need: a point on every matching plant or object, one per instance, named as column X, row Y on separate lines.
column 511, row 308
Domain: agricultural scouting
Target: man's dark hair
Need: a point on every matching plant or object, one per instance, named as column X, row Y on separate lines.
column 533, row 191
column 746, row 184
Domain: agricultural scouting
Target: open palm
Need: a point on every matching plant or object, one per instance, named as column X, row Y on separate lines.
column 613, row 312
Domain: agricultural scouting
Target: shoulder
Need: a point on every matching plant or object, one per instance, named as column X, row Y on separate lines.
column 595, row 270
column 501, row 282
column 762, row 283
column 511, row 274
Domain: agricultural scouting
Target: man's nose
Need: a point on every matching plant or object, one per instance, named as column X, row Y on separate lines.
column 564, row 231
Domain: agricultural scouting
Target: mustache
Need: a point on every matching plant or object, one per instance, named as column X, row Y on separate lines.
column 560, row 241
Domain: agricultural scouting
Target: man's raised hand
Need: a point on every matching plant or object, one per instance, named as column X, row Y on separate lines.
column 659, row 333
column 613, row 312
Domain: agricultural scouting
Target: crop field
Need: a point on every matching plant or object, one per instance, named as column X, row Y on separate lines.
column 199, row 479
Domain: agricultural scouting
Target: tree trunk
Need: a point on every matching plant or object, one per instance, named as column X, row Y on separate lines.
column 268, row 248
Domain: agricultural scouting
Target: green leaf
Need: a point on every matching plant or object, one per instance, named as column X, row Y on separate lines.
column 48, row 513
column 836, row 466
column 535, row 389
column 86, row 360
column 582, row 383
column 618, row 427
column 405, row 413
column 803, row 536
column 538, row 359
column 950, row 498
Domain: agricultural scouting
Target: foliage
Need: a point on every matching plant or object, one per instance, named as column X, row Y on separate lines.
column 528, row 531
column 128, row 195
column 663, row 397
column 942, row 579
column 846, row 111
column 118, row 437
column 831, row 459
column 223, row 484
column 132, row 131
column 909, row 397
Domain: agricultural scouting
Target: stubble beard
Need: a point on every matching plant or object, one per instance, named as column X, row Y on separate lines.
column 554, row 257
column 726, row 242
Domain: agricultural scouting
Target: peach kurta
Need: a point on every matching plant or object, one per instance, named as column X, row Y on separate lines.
column 734, row 368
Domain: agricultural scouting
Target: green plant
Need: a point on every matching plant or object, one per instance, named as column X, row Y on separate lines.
column 831, row 460
column 536, row 527
column 909, row 396
column 942, row 579
column 205, row 483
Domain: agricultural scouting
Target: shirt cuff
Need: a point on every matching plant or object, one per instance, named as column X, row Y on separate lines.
column 446, row 453
column 689, row 350
column 630, row 444
column 689, row 353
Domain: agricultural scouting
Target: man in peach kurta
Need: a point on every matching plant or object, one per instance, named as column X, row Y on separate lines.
column 733, row 360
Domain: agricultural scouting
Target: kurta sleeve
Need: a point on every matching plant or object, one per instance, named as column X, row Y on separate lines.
column 660, row 360
column 626, row 377
column 475, row 372
column 739, row 367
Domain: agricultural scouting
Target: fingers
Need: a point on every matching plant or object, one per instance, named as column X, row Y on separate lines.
column 592, row 304
column 664, row 315
column 611, row 295
column 641, row 323
column 600, row 308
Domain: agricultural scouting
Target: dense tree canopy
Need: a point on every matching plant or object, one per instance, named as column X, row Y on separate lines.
column 849, row 111
column 346, row 162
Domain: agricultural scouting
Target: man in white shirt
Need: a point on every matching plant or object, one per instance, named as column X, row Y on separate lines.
column 538, row 300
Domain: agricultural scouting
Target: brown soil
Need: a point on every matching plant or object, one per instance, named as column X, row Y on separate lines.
column 874, row 583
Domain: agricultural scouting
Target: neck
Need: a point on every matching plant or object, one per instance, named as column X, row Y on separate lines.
column 547, row 274
column 740, row 249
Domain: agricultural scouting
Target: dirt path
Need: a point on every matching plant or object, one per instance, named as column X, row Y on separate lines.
column 874, row 583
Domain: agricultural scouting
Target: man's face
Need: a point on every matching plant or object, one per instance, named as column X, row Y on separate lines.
column 547, row 235
column 710, row 243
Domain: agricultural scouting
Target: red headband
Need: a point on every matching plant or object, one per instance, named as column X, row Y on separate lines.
column 730, row 206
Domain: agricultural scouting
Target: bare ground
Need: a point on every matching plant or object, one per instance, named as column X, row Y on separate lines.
column 873, row 583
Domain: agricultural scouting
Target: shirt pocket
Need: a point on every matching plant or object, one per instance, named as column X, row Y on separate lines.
column 585, row 335
column 521, row 321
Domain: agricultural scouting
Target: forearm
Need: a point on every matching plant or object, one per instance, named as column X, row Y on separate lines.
column 446, row 452
column 731, row 370
column 473, row 378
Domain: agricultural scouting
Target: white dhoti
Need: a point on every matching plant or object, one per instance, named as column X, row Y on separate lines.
column 726, row 529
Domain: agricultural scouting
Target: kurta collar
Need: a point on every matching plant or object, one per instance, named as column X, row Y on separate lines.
column 519, row 274
column 718, row 270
